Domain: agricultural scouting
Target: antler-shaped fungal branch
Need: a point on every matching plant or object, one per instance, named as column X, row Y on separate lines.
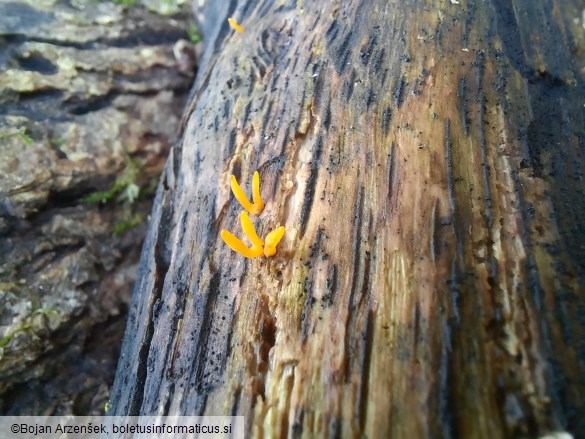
column 258, row 206
column 238, row 246
column 258, row 246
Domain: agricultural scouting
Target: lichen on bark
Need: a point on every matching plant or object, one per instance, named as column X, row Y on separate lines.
column 91, row 96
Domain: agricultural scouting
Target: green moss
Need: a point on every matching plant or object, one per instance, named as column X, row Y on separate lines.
column 21, row 132
column 45, row 312
column 194, row 34
column 169, row 7
column 101, row 196
column 125, row 186
column 117, row 2
column 24, row 136
column 127, row 191
column 128, row 223
column 26, row 325
column 125, row 2
column 161, row 7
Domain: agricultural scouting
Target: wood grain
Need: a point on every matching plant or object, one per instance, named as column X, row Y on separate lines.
column 426, row 159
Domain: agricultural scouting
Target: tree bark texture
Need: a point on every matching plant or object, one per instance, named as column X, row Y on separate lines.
column 91, row 94
column 427, row 161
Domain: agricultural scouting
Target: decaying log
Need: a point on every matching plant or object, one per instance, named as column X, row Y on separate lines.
column 427, row 160
column 91, row 97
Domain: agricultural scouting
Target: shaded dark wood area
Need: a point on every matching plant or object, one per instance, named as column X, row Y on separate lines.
column 427, row 160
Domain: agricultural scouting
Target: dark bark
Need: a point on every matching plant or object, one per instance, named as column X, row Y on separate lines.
column 427, row 161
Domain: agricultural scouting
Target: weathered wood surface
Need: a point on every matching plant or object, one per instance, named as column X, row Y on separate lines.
column 91, row 93
column 427, row 160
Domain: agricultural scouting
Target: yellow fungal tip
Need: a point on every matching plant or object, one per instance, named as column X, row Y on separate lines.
column 233, row 23
column 238, row 246
column 258, row 203
column 255, row 208
column 272, row 240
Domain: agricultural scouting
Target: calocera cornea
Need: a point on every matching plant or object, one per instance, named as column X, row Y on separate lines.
column 259, row 247
column 233, row 23
column 272, row 240
column 257, row 206
column 238, row 245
